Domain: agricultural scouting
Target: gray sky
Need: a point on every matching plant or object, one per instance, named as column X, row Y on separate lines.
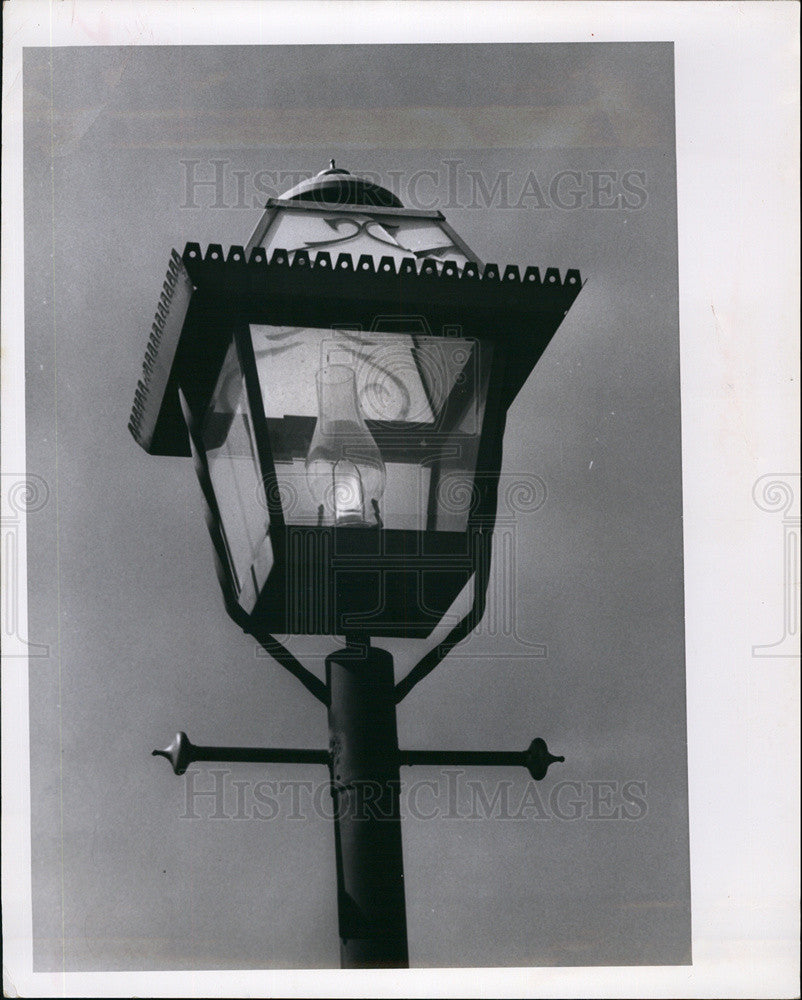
column 122, row 586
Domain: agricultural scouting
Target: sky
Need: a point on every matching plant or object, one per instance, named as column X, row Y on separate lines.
column 554, row 155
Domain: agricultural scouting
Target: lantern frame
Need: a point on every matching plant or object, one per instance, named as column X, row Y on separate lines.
column 210, row 299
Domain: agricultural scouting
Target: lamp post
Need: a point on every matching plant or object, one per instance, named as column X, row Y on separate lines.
column 342, row 383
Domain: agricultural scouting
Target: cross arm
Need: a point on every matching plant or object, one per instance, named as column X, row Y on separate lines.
column 182, row 752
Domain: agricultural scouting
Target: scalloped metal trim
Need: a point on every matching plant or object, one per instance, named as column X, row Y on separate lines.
column 427, row 267
column 160, row 351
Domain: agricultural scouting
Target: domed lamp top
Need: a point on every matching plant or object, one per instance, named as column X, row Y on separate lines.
column 335, row 186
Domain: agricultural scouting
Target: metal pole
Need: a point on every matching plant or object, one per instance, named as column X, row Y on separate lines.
column 365, row 784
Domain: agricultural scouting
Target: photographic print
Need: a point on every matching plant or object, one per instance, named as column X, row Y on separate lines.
column 560, row 160
column 355, row 614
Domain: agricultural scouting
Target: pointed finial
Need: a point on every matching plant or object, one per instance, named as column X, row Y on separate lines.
column 538, row 759
column 179, row 753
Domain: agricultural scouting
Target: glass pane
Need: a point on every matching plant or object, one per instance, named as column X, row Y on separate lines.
column 227, row 436
column 422, row 399
column 360, row 232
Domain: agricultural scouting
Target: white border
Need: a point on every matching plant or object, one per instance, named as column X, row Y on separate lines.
column 737, row 114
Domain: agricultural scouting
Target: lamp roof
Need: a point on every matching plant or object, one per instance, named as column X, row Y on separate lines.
column 336, row 186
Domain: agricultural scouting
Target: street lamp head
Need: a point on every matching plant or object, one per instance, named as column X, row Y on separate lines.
column 345, row 413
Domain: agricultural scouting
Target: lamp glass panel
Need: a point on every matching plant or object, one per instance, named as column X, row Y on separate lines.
column 422, row 399
column 231, row 459
column 358, row 233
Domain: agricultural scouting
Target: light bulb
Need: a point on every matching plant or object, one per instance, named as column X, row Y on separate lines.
column 344, row 468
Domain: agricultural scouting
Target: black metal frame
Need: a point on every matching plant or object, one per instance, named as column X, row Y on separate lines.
column 221, row 295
